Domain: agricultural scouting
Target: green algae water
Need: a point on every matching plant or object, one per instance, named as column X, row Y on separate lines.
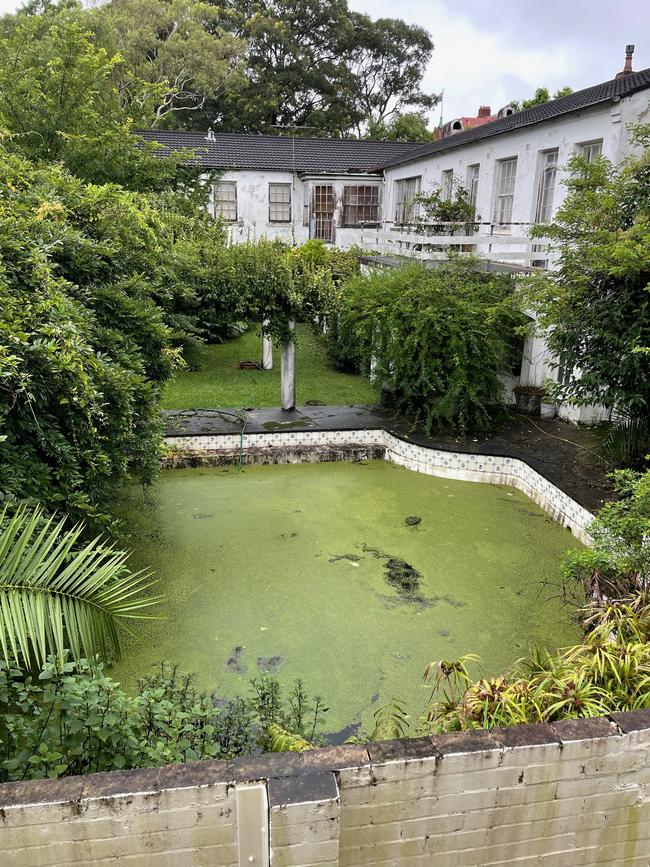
column 351, row 576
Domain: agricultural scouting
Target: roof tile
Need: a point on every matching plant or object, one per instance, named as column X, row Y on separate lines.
column 280, row 153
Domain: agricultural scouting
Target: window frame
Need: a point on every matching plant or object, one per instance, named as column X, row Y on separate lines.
column 218, row 202
column 280, row 205
column 473, row 177
column 546, row 188
column 369, row 206
column 585, row 149
column 500, row 210
column 447, row 184
column 404, row 209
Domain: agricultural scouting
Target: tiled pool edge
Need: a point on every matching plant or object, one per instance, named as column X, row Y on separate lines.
column 496, row 470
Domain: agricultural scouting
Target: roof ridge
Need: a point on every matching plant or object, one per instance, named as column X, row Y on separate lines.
column 257, row 136
column 619, row 87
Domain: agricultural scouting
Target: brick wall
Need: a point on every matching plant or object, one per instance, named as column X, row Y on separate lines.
column 570, row 793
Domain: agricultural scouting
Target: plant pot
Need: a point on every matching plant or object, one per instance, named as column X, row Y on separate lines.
column 547, row 410
column 528, row 399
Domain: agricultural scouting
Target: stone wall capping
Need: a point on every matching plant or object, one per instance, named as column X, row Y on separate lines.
column 336, row 758
column 632, row 720
column 29, row 792
column 472, row 741
column 531, row 735
column 312, row 787
column 402, row 749
column 584, row 729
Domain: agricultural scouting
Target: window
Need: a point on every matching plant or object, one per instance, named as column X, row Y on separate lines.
column 447, row 185
column 405, row 192
column 546, row 190
column 360, row 205
column 225, row 200
column 323, row 212
column 504, row 190
column 472, row 186
column 279, row 203
column 591, row 150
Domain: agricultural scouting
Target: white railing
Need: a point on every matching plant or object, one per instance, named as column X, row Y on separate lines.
column 508, row 243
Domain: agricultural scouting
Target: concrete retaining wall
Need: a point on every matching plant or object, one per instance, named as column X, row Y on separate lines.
column 563, row 795
column 298, row 446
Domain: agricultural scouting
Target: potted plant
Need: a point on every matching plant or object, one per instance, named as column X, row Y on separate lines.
column 548, row 407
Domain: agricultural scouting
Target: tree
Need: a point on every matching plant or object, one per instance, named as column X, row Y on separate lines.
column 595, row 308
column 409, row 126
column 541, row 95
column 56, row 593
column 314, row 64
column 175, row 56
column 388, row 61
column 58, row 101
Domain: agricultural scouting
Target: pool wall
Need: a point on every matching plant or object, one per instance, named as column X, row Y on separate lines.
column 310, row 446
column 572, row 793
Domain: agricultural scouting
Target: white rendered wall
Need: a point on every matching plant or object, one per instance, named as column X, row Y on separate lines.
column 607, row 122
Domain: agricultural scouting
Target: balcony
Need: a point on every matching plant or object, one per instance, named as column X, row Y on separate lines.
column 509, row 244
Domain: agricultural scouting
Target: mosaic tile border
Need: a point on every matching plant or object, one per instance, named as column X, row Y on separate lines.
column 436, row 462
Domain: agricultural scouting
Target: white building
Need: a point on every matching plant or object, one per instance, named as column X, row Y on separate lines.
column 351, row 192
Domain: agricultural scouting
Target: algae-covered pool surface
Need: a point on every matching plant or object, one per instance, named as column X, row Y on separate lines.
column 351, row 576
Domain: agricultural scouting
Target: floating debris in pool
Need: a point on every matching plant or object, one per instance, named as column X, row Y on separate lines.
column 413, row 520
column 269, row 664
column 444, row 633
column 234, row 662
column 351, row 558
column 451, row 600
column 335, row 739
column 200, row 515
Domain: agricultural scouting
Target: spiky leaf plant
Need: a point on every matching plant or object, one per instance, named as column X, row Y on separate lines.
column 59, row 593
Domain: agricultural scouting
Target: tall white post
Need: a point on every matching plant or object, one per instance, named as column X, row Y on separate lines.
column 267, row 348
column 288, row 372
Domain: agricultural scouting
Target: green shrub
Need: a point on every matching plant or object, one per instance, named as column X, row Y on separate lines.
column 96, row 285
column 439, row 338
column 72, row 720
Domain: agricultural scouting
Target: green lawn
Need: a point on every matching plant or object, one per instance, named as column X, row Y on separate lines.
column 218, row 381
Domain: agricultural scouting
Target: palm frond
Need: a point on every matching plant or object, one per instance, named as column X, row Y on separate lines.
column 58, row 594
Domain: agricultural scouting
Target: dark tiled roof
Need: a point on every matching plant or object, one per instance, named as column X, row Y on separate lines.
column 244, row 151
column 616, row 88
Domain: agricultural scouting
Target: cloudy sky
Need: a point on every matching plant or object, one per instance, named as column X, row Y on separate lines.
column 488, row 53
column 491, row 51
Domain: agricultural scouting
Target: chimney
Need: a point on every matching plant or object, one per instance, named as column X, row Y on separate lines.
column 627, row 69
column 484, row 111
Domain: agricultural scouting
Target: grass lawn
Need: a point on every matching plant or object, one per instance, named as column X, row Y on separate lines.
column 218, row 381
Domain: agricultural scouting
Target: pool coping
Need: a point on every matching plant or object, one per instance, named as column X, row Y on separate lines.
column 298, row 446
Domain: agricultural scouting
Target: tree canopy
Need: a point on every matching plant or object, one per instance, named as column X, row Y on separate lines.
column 239, row 66
column 596, row 306
column 542, row 94
column 409, row 126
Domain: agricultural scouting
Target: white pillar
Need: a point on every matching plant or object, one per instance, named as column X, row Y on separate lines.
column 267, row 348
column 288, row 372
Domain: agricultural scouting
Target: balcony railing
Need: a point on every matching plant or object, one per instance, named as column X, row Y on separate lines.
column 508, row 242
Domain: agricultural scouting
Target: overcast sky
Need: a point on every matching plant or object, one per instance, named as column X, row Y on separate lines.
column 487, row 53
